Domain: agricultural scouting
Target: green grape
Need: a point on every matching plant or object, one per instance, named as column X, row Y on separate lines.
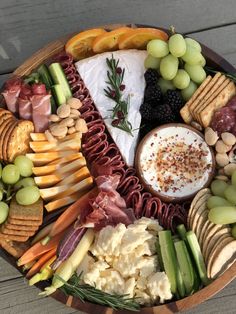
column 222, row 215
column 165, row 85
column 202, row 62
column 193, row 43
column 181, row 80
column 192, row 56
column 196, row 72
column 169, row 67
column 24, row 183
column 1, row 195
column 230, row 194
column 28, row 195
column 4, row 209
column 233, row 178
column 24, row 165
column 0, row 170
column 157, row 48
column 218, row 187
column 216, row 201
column 233, row 230
column 152, row 62
column 10, row 174
column 189, row 91
column 177, row 45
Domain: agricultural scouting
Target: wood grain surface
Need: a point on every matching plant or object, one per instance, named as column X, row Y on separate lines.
column 26, row 26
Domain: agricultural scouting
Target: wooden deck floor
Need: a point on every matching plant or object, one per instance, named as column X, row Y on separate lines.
column 26, row 26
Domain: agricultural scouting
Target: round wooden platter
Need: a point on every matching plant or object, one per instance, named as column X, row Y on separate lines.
column 213, row 60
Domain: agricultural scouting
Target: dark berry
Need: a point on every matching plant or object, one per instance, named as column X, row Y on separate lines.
column 153, row 94
column 146, row 111
column 113, row 94
column 151, row 77
column 120, row 115
column 122, row 87
column 174, row 99
column 118, row 70
column 115, row 122
column 164, row 114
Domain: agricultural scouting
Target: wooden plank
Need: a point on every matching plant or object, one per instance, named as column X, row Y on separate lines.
column 17, row 297
column 8, row 272
column 221, row 40
column 26, row 26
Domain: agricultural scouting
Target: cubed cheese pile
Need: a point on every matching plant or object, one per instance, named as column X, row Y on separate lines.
column 126, row 262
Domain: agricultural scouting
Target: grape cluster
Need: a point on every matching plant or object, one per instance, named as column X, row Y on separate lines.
column 179, row 62
column 222, row 205
column 16, row 178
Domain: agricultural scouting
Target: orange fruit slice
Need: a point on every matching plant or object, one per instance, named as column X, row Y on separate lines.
column 109, row 41
column 80, row 45
column 138, row 38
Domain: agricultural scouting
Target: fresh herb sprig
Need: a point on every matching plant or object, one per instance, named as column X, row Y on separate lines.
column 229, row 75
column 115, row 76
column 88, row 293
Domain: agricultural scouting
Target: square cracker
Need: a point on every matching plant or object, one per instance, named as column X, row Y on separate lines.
column 17, row 232
column 13, row 237
column 19, row 140
column 26, row 212
column 16, row 249
column 19, row 227
column 220, row 101
column 218, row 84
column 20, row 222
column 185, row 112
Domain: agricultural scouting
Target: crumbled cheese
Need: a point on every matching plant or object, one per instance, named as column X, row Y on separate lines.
column 127, row 262
column 159, row 286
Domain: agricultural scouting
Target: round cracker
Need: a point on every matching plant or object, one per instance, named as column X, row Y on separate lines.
column 224, row 243
column 215, row 241
column 194, row 201
column 200, row 223
column 203, row 231
column 19, row 139
column 4, row 127
column 6, row 140
column 223, row 259
column 209, row 234
column 198, row 209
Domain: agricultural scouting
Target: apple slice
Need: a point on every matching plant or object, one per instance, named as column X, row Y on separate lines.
column 65, row 190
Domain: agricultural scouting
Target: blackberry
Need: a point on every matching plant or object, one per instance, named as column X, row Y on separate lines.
column 151, row 76
column 174, row 99
column 146, row 111
column 153, row 94
column 164, row 114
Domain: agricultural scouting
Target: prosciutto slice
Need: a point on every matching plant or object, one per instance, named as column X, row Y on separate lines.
column 11, row 92
column 41, row 107
column 108, row 208
column 25, row 106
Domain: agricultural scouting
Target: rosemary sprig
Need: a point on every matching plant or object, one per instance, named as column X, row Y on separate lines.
column 115, row 77
column 88, row 293
column 229, row 75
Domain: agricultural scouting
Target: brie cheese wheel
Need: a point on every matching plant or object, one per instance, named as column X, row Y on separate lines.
column 93, row 71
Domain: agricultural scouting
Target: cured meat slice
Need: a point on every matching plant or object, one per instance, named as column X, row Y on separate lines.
column 25, row 106
column 11, row 93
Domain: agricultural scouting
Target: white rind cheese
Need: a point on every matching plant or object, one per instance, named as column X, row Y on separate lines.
column 93, row 71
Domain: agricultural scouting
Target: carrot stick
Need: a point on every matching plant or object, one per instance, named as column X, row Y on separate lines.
column 45, row 273
column 70, row 214
column 37, row 250
column 43, row 259
column 42, row 233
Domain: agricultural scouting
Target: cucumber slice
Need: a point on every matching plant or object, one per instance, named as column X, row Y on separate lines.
column 45, row 76
column 159, row 257
column 58, row 94
column 180, row 283
column 59, row 77
column 185, row 265
column 182, row 231
column 169, row 258
column 197, row 255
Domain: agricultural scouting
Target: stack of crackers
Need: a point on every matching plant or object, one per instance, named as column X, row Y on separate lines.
column 14, row 136
column 212, row 94
column 21, row 224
